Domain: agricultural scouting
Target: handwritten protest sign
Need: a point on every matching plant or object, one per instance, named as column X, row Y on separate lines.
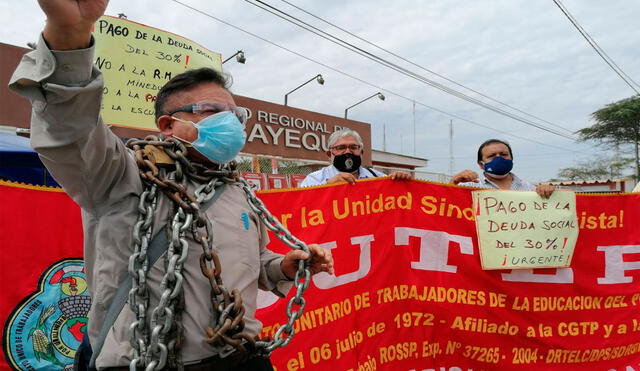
column 136, row 61
column 518, row 230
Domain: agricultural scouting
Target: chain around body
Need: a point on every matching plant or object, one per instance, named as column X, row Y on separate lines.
column 156, row 341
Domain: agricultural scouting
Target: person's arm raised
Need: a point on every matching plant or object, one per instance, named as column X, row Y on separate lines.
column 69, row 22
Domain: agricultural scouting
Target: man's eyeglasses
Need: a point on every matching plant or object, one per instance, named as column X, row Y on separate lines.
column 343, row 147
column 211, row 108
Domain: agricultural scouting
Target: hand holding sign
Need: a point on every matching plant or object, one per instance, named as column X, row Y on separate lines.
column 518, row 230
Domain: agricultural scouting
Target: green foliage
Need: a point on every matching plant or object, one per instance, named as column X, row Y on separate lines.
column 618, row 124
column 596, row 169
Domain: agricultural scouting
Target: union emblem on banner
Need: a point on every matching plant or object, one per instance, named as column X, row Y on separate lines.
column 45, row 329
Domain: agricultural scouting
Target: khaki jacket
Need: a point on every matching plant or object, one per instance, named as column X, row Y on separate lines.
column 99, row 173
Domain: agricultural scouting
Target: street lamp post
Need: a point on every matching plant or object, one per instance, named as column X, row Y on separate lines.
column 318, row 78
column 239, row 57
column 378, row 94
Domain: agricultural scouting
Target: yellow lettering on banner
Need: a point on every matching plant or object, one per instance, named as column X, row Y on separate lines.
column 413, row 319
column 361, row 301
column 314, row 318
column 577, row 328
column 376, row 328
column 520, row 304
column 497, row 300
column 349, row 343
column 312, row 218
column 436, row 294
column 296, row 363
column 370, row 364
column 398, row 352
column 431, row 205
column 591, row 355
column 615, row 302
column 452, row 347
column 552, row 303
column 542, row 331
column 524, row 355
column 601, row 221
column 284, row 218
column 430, row 349
column 321, row 353
column 368, row 206
column 482, row 325
column 622, row 329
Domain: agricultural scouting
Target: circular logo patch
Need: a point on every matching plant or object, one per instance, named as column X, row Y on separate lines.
column 45, row 329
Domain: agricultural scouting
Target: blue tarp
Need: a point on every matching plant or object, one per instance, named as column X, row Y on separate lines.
column 20, row 163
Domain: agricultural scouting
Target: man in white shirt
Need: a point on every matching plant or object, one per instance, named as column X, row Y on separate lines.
column 345, row 153
column 496, row 160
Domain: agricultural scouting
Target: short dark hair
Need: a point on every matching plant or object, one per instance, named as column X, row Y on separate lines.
column 491, row 141
column 188, row 80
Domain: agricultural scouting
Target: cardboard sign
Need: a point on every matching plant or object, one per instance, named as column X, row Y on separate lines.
column 518, row 230
column 136, row 61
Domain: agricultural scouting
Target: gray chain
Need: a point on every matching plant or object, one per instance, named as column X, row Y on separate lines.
column 301, row 280
column 158, row 347
column 138, row 267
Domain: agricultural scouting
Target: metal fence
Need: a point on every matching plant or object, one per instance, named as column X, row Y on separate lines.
column 269, row 172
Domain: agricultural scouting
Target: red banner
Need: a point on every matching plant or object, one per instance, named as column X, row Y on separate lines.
column 41, row 278
column 408, row 292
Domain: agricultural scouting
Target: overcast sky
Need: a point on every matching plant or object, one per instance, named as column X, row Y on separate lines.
column 522, row 53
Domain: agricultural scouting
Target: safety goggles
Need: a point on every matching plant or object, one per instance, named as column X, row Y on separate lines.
column 344, row 147
column 211, row 108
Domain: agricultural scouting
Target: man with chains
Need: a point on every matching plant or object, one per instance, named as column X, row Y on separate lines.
column 212, row 258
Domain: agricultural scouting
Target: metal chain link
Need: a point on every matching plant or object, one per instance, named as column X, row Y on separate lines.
column 301, row 280
column 138, row 267
column 156, row 342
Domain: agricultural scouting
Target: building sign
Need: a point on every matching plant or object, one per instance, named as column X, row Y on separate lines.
column 278, row 130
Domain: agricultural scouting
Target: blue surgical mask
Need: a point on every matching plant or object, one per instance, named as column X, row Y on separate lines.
column 220, row 137
column 499, row 167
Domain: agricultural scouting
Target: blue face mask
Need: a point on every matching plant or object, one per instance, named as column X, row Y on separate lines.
column 499, row 167
column 220, row 137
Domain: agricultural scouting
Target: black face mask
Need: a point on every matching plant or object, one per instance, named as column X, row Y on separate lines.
column 347, row 163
